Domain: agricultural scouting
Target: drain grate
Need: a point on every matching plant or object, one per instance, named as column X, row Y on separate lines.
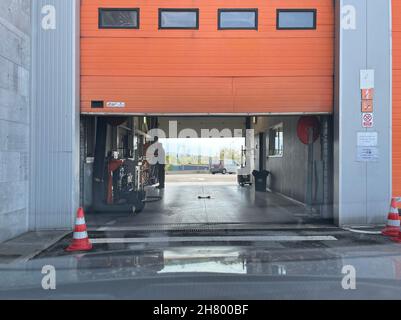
column 172, row 227
column 209, row 227
column 181, row 230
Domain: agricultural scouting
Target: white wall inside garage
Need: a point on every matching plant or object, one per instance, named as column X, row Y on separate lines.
column 15, row 68
column 288, row 174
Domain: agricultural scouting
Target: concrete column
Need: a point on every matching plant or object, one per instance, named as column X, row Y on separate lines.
column 54, row 192
column 362, row 189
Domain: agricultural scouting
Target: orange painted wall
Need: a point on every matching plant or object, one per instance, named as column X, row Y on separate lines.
column 208, row 70
column 396, row 98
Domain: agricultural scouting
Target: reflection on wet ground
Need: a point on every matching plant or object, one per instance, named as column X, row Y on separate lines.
column 232, row 260
column 375, row 255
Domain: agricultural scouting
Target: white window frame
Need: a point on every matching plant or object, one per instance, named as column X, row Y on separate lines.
column 275, row 127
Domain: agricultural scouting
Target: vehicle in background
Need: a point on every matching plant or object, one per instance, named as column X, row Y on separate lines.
column 224, row 167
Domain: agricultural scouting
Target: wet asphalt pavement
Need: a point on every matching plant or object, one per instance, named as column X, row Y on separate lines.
column 224, row 269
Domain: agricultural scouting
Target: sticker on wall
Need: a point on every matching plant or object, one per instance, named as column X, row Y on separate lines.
column 367, row 120
column 49, row 17
column 115, row 104
column 367, row 154
column 367, row 79
column 348, row 17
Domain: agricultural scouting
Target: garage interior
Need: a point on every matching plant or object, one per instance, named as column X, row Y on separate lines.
column 118, row 189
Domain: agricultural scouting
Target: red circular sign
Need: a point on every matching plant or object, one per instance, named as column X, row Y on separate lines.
column 367, row 117
column 306, row 122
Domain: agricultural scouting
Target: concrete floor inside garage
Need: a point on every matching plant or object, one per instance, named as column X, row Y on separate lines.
column 230, row 206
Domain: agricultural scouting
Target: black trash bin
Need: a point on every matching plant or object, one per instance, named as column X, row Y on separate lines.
column 260, row 180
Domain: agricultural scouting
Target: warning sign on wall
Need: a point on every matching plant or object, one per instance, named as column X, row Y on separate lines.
column 367, row 94
column 367, row 106
column 367, row 120
column 367, row 139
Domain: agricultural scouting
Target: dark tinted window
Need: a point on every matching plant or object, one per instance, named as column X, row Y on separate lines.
column 178, row 18
column 296, row 19
column 238, row 19
column 97, row 104
column 119, row 18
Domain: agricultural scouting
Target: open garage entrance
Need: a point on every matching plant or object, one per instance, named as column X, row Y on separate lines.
column 262, row 171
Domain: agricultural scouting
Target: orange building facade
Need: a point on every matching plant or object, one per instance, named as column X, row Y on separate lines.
column 396, row 128
column 208, row 70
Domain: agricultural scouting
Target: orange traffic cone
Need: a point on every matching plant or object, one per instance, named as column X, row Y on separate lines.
column 393, row 221
column 397, row 238
column 80, row 240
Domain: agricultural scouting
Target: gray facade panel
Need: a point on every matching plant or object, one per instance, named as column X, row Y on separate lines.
column 362, row 189
column 379, row 59
column 54, row 138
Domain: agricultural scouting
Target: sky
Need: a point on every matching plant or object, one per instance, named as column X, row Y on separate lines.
column 204, row 147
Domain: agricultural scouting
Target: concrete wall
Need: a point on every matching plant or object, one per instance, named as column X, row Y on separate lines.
column 289, row 172
column 15, row 66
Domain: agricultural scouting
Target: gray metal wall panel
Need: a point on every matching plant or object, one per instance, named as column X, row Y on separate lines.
column 54, row 117
column 362, row 190
column 336, row 115
column 379, row 53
